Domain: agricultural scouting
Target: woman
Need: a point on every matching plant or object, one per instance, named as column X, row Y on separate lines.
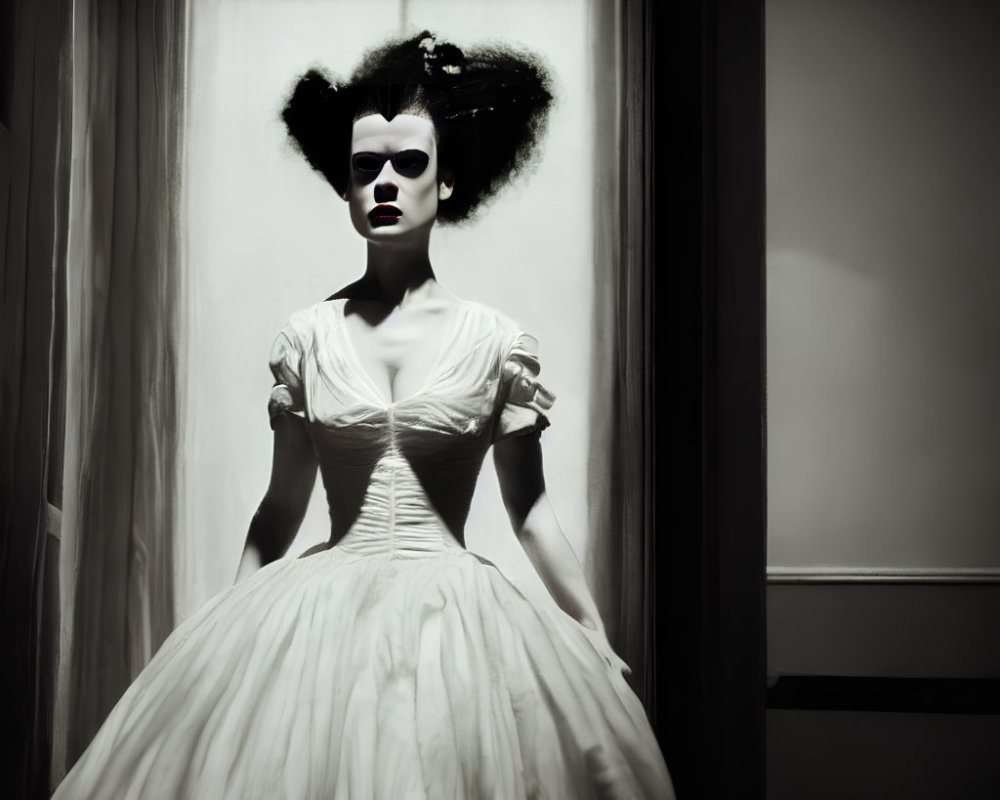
column 391, row 662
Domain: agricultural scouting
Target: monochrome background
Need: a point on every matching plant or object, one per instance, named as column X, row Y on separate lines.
column 883, row 186
column 883, row 275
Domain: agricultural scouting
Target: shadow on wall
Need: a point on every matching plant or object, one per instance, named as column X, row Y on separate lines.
column 883, row 277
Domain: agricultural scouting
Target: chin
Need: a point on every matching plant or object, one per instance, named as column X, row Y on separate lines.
column 388, row 233
column 396, row 231
column 382, row 231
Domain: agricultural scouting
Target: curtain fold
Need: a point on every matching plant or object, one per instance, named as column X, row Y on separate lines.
column 635, row 332
column 33, row 190
column 604, row 544
column 621, row 468
column 122, row 400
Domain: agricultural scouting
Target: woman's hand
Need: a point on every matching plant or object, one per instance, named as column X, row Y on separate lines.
column 519, row 469
column 599, row 638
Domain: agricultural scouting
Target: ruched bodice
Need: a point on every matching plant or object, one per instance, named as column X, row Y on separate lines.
column 395, row 517
column 399, row 477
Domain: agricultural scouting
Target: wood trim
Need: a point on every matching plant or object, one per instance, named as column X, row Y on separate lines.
column 882, row 575
column 885, row 694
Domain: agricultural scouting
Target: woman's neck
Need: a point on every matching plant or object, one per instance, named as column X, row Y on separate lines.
column 396, row 274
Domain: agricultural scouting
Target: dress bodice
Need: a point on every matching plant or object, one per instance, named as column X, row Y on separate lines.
column 399, row 476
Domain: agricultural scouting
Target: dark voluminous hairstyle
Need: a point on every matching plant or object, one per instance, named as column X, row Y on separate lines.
column 488, row 105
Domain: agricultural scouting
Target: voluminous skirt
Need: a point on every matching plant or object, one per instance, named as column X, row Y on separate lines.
column 347, row 676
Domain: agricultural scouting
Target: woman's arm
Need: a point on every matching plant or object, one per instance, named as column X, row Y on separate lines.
column 518, row 462
column 293, row 475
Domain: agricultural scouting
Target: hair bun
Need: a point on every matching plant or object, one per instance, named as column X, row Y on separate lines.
column 441, row 59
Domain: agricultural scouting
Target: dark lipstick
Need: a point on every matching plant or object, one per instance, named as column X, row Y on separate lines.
column 384, row 214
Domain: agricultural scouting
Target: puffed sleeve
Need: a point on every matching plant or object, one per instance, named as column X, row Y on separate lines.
column 524, row 400
column 287, row 396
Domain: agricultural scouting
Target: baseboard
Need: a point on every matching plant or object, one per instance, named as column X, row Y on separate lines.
column 908, row 695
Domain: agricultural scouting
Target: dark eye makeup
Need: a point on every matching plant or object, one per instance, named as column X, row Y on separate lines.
column 407, row 163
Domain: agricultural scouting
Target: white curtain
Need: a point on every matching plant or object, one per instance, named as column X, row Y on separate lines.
column 123, row 381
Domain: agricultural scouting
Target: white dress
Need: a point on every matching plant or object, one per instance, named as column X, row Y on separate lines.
column 395, row 664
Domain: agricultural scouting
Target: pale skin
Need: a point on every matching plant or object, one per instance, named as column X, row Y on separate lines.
column 398, row 317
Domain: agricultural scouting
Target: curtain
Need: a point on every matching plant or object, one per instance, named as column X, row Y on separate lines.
column 33, row 191
column 604, row 548
column 621, row 467
column 123, row 300
column 634, row 297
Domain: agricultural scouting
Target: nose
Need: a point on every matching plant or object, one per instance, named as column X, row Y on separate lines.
column 385, row 184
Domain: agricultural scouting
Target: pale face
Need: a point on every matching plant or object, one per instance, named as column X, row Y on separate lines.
column 395, row 186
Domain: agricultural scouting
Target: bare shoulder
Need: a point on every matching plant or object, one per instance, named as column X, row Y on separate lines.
column 506, row 327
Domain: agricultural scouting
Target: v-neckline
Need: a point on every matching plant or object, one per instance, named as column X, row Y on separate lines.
column 446, row 344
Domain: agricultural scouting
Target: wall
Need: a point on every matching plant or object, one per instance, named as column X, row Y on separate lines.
column 883, row 187
column 883, row 273
column 881, row 756
column 268, row 236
